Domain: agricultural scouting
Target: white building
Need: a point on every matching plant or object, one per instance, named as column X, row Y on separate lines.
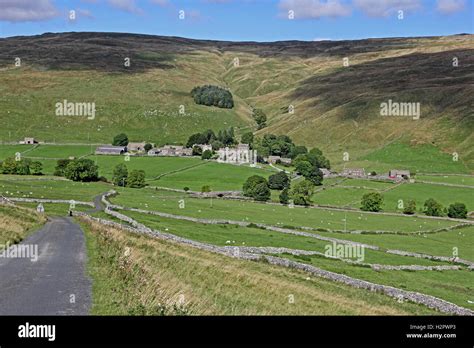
column 237, row 155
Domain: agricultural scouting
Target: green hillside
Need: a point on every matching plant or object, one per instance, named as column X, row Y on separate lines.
column 335, row 108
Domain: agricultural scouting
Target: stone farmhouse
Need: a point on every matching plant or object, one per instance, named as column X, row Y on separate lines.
column 399, row 174
column 277, row 159
column 28, row 141
column 241, row 154
column 137, row 147
column 353, row 172
column 171, row 150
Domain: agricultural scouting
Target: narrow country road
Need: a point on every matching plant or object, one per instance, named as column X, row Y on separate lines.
column 55, row 284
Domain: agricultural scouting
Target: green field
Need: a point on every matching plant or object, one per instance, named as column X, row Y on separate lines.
column 60, row 151
column 448, row 179
column 421, row 158
column 272, row 213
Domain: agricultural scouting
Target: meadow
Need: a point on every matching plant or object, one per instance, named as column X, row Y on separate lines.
column 273, row 214
column 164, row 278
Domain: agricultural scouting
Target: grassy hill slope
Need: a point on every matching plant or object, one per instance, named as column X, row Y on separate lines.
column 336, row 107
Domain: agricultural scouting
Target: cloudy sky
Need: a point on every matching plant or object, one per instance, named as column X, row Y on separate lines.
column 256, row 20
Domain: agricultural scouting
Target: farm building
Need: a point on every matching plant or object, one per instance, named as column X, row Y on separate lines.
column 272, row 159
column 204, row 147
column 355, row 172
column 399, row 174
column 237, row 155
column 171, row 150
column 136, row 147
column 110, row 150
column 29, row 141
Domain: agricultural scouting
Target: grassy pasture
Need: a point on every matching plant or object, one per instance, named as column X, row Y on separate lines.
column 421, row 192
column 16, row 223
column 273, row 214
column 53, row 189
column 158, row 273
column 246, row 236
column 448, row 179
column 61, row 151
column 219, row 176
column 440, row 243
column 453, row 286
column 421, row 158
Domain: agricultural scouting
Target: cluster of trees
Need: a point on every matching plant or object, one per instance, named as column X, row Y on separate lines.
column 223, row 138
column 23, row 166
column 134, row 179
column 84, row 170
column 373, row 202
column 213, row 96
column 258, row 188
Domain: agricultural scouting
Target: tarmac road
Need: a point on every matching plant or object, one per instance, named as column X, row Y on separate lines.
column 55, row 284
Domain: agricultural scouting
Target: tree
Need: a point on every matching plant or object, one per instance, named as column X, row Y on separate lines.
column 197, row 151
column 298, row 150
column 279, row 181
column 197, row 138
column 120, row 175
column 262, row 192
column 206, row 155
column 247, row 138
column 206, row 189
column 372, row 202
column 302, row 192
column 120, row 140
column 9, row 166
column 433, row 208
column 284, row 197
column 457, row 211
column 410, row 208
column 82, row 170
column 315, row 176
column 148, row 147
column 136, row 179
column 23, row 166
column 304, row 168
column 36, row 168
column 260, row 117
column 252, row 187
column 61, row 165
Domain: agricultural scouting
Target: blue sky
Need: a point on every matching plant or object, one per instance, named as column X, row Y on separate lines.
column 241, row 20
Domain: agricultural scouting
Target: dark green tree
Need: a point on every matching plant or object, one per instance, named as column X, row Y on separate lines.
column 261, row 192
column 213, row 96
column 197, row 151
column 136, row 179
column 302, row 192
column 304, row 168
column 120, row 140
column 315, row 176
column 279, row 181
column 457, row 211
column 83, row 170
column 206, row 155
column 148, row 147
column 61, row 165
column 410, row 208
column 284, row 196
column 120, row 175
column 260, row 117
column 36, row 168
column 247, row 138
column 250, row 185
column 433, row 208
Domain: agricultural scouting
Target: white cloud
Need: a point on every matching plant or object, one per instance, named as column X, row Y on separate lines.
column 384, row 8
column 27, row 10
column 126, row 5
column 314, row 8
column 450, row 6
